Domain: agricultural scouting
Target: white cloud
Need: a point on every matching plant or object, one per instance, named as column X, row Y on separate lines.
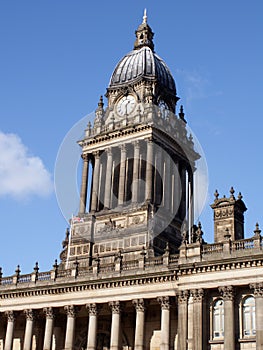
column 21, row 175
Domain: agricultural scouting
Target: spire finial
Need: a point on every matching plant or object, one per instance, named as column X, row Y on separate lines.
column 145, row 16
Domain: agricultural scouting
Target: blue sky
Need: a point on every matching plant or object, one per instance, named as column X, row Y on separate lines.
column 56, row 60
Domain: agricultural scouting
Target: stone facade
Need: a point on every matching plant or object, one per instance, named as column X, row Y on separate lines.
column 135, row 273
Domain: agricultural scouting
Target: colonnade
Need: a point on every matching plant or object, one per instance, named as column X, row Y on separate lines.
column 93, row 311
column 140, row 171
column 191, row 333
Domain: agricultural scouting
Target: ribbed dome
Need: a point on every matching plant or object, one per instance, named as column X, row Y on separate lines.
column 140, row 63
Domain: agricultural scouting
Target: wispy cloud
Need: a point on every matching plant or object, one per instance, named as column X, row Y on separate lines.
column 21, row 175
column 197, row 85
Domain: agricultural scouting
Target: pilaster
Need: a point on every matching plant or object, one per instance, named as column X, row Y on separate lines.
column 258, row 293
column 198, row 295
column 183, row 319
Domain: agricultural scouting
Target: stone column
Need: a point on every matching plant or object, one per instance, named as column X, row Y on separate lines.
column 108, row 189
column 197, row 295
column 48, row 328
column 177, row 188
column 84, row 184
column 167, row 184
column 122, row 175
column 136, row 172
column 149, row 171
column 70, row 330
column 258, row 293
column 95, row 182
column 30, row 316
column 158, row 179
column 115, row 339
column 93, row 323
column 165, row 322
column 229, row 322
column 9, row 330
column 139, row 327
column 183, row 192
column 183, row 319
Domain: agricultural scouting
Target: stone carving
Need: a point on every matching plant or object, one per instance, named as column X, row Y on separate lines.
column 30, row 314
column 10, row 316
column 197, row 295
column 258, row 289
column 49, row 312
column 165, row 302
column 139, row 305
column 227, row 292
column 115, row 307
column 183, row 296
column 71, row 310
column 93, row 309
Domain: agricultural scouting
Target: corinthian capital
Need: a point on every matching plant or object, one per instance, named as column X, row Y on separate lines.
column 139, row 305
column 183, row 296
column 10, row 316
column 93, row 309
column 227, row 292
column 30, row 314
column 115, row 307
column 71, row 310
column 197, row 295
column 165, row 302
column 257, row 289
column 49, row 312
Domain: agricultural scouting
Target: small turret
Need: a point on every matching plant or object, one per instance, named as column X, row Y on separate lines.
column 228, row 216
column 144, row 35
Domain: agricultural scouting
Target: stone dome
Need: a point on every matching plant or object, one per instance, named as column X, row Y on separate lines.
column 142, row 63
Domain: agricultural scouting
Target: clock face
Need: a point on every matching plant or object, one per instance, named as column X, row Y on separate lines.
column 164, row 109
column 125, row 105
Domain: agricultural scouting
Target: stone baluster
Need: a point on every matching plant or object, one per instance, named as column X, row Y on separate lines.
column 70, row 330
column 122, row 175
column 136, row 172
column 50, row 316
column 108, row 182
column 139, row 327
column 165, row 322
column 258, row 293
column 9, row 330
column 93, row 324
column 183, row 319
column 115, row 343
column 84, row 184
column 149, row 171
column 30, row 317
column 229, row 322
column 197, row 295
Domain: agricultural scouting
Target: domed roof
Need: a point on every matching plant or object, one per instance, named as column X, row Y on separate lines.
column 142, row 63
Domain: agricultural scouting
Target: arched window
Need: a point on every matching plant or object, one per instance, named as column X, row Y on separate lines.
column 248, row 311
column 218, row 319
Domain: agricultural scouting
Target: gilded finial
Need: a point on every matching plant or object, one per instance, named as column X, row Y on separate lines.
column 145, row 16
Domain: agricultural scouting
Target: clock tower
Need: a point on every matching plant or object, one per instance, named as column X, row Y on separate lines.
column 138, row 162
